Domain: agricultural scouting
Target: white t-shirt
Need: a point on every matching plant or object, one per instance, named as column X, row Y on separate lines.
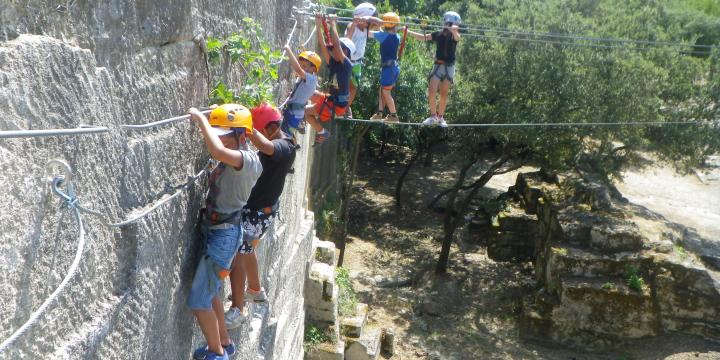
column 359, row 38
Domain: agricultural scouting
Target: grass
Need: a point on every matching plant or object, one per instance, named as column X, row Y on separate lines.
column 347, row 300
column 315, row 336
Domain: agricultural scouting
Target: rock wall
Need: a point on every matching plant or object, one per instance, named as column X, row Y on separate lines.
column 609, row 271
column 68, row 63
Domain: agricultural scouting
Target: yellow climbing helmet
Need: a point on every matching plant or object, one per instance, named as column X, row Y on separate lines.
column 227, row 117
column 390, row 19
column 311, row 57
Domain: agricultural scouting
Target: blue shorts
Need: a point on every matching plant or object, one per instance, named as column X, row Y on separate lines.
column 222, row 241
column 290, row 120
column 389, row 76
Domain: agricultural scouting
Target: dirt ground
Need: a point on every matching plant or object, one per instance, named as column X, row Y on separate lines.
column 472, row 312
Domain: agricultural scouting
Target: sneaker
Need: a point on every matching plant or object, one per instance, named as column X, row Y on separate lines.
column 234, row 317
column 203, row 353
column 442, row 122
column 319, row 139
column 348, row 113
column 260, row 296
column 393, row 118
column 377, row 116
column 432, row 120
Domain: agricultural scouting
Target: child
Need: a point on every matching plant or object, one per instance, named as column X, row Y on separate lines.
column 306, row 66
column 230, row 183
column 390, row 69
column 327, row 106
column 443, row 72
column 358, row 32
column 277, row 156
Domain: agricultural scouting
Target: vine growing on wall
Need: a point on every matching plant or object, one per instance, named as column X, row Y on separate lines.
column 255, row 57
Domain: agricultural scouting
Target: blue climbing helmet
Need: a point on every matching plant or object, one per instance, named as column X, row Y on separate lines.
column 452, row 17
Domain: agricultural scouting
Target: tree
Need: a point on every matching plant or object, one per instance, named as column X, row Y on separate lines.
column 515, row 81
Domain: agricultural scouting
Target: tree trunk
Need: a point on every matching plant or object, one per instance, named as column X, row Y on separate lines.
column 346, row 185
column 441, row 267
column 398, row 187
column 450, row 224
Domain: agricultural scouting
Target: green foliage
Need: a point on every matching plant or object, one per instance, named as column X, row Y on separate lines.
column 634, row 280
column 708, row 7
column 608, row 286
column 328, row 219
column 525, row 82
column 248, row 50
column 347, row 300
column 314, row 336
column 681, row 252
column 493, row 206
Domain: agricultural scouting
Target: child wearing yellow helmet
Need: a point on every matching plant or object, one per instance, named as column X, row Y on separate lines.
column 306, row 65
column 389, row 65
column 225, row 134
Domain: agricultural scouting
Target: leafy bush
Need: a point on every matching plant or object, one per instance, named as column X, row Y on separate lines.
column 255, row 57
column 315, row 336
column 347, row 300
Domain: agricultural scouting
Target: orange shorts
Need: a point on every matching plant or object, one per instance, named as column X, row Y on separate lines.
column 324, row 106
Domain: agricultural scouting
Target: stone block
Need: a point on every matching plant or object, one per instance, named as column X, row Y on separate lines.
column 589, row 308
column 564, row 261
column 352, row 325
column 324, row 251
column 321, row 293
column 687, row 298
column 611, row 238
column 367, row 347
column 327, row 351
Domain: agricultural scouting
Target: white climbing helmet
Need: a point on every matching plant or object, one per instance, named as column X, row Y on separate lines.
column 364, row 9
column 348, row 44
column 452, row 17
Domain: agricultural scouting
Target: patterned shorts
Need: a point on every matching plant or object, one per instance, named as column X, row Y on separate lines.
column 254, row 223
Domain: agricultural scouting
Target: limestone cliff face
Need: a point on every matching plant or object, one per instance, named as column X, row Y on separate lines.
column 106, row 63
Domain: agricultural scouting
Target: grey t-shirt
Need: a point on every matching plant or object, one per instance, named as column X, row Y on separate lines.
column 304, row 90
column 235, row 185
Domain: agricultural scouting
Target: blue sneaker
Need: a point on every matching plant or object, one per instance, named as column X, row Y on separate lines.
column 203, row 353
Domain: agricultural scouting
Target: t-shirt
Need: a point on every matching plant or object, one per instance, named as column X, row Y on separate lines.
column 229, row 187
column 304, row 89
column 359, row 38
column 446, row 46
column 342, row 71
column 389, row 44
column 270, row 185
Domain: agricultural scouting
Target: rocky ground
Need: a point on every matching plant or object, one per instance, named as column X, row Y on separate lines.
column 472, row 312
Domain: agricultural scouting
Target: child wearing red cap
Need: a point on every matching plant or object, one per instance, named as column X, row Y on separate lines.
column 277, row 155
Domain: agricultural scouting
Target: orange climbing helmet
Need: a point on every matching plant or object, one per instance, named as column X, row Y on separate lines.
column 390, row 19
column 227, row 118
column 264, row 114
column 311, row 57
